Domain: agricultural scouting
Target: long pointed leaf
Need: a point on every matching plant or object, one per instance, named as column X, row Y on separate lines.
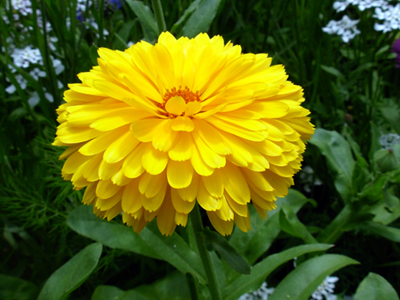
column 340, row 160
column 248, row 283
column 304, row 280
column 201, row 19
column 83, row 221
column 72, row 274
column 173, row 249
column 375, row 287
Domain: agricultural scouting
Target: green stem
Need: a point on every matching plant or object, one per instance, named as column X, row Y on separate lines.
column 158, row 11
column 335, row 229
column 192, row 287
column 205, row 255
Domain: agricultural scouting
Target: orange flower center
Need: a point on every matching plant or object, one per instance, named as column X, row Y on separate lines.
column 181, row 102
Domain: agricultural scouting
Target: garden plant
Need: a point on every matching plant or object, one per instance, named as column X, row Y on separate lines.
column 206, row 149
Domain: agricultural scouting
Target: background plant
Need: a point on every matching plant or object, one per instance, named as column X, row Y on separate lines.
column 350, row 89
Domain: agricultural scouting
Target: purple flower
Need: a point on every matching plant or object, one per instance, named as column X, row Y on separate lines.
column 116, row 4
column 396, row 49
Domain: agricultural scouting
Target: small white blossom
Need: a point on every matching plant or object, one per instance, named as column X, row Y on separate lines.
column 23, row 6
column 24, row 57
column 58, row 66
column 346, row 28
column 261, row 294
column 130, row 43
column 81, row 5
column 340, row 5
column 326, row 289
column 21, row 81
column 36, row 73
column 387, row 141
column 308, row 178
column 390, row 15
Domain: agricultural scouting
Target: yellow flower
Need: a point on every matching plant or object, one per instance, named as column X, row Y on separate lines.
column 153, row 129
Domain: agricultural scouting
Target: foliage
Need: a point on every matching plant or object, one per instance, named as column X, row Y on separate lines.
column 350, row 88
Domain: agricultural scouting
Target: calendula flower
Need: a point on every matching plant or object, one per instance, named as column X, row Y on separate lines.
column 155, row 128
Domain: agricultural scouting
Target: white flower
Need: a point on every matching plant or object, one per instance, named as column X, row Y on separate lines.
column 261, row 294
column 130, row 43
column 345, row 27
column 58, row 66
column 387, row 141
column 81, row 5
column 24, row 57
column 21, row 81
column 36, row 73
column 326, row 289
column 340, row 5
column 34, row 99
column 23, row 6
column 390, row 15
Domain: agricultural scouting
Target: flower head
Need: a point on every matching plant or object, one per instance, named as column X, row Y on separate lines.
column 346, row 28
column 154, row 129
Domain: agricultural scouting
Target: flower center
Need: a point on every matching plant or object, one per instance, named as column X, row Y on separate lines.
column 181, row 102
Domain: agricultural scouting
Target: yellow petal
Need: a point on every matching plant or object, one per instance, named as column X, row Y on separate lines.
column 145, row 129
column 223, row 227
column 130, row 201
column 190, row 193
column 106, row 189
column 165, row 138
column 183, row 148
column 210, row 157
column 100, row 143
column 211, row 136
column 182, row 124
column 154, row 203
column 207, row 201
column 214, row 184
column 132, row 166
column 181, row 219
column 176, row 105
column 106, row 204
column 166, row 217
column 179, row 174
column 180, row 205
column 199, row 164
column 154, row 161
column 120, row 148
column 150, row 185
column 235, row 184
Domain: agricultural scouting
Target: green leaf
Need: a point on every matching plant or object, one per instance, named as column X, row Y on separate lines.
column 304, row 280
column 339, row 158
column 375, row 287
column 373, row 192
column 12, row 288
column 146, row 19
column 289, row 223
column 201, row 19
column 174, row 286
column 193, row 6
column 392, row 116
column 83, row 221
column 333, row 71
column 174, row 250
column 390, row 233
column 72, row 274
column 257, row 241
column 383, row 214
column 385, row 160
column 217, row 243
column 93, row 54
column 260, row 271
